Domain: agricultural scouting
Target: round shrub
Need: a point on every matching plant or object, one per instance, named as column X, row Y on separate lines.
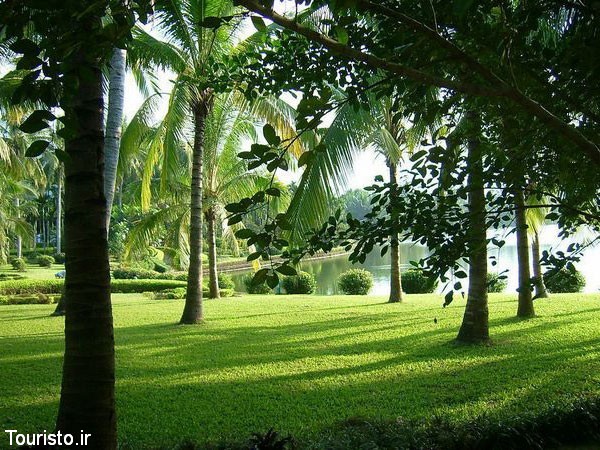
column 495, row 283
column 414, row 281
column 45, row 261
column 19, row 264
column 356, row 282
column 255, row 289
column 564, row 280
column 302, row 283
column 59, row 258
column 225, row 281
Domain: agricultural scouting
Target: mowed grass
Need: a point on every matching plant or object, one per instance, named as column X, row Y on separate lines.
column 301, row 364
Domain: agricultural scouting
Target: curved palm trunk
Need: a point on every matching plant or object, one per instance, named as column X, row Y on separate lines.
column 525, row 308
column 395, row 280
column 114, row 120
column 87, row 399
column 474, row 326
column 59, row 212
column 213, row 278
column 192, row 312
column 18, row 240
column 540, row 287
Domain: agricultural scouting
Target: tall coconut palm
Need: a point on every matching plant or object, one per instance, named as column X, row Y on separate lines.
column 377, row 128
column 226, row 178
column 525, row 308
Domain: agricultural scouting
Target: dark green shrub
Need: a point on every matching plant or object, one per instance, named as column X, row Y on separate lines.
column 495, row 283
column 355, row 282
column 10, row 276
column 45, row 261
column 170, row 294
column 226, row 282
column 181, row 276
column 18, row 264
column 255, row 289
column 564, row 280
column 28, row 299
column 414, row 281
column 139, row 286
column 301, row 283
column 130, row 273
column 29, row 286
column 160, row 266
column 59, row 258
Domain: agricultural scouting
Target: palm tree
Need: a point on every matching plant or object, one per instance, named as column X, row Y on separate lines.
column 535, row 220
column 378, row 128
column 226, row 178
column 525, row 308
column 114, row 119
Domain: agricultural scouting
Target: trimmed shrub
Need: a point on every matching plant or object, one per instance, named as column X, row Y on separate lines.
column 160, row 266
column 130, row 273
column 179, row 293
column 564, row 280
column 255, row 289
column 181, row 276
column 29, row 286
column 225, row 281
column 59, row 258
column 45, row 261
column 414, row 281
column 495, row 284
column 10, row 276
column 19, row 264
column 301, row 283
column 355, row 282
column 28, row 299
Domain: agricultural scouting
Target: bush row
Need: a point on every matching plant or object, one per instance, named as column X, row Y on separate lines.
column 15, row 287
column 179, row 293
column 29, row 299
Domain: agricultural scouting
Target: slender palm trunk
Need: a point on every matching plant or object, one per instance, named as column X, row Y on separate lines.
column 114, row 120
column 213, row 278
column 192, row 312
column 395, row 280
column 59, row 213
column 60, row 306
column 87, row 400
column 540, row 287
column 35, row 231
column 474, row 326
column 525, row 308
column 18, row 241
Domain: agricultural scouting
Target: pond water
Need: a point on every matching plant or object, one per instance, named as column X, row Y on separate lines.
column 327, row 271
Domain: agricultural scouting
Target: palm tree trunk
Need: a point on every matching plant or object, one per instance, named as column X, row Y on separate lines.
column 59, row 213
column 18, row 241
column 192, row 312
column 213, row 282
column 540, row 287
column 525, row 308
column 395, row 280
column 35, row 231
column 87, row 400
column 114, row 120
column 474, row 326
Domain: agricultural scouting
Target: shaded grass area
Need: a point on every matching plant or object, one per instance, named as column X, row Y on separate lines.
column 302, row 364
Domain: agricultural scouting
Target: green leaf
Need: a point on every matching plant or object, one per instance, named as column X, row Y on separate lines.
column 33, row 125
column 28, row 62
column 37, row 148
column 418, row 155
column 341, row 35
column 244, row 233
column 258, row 23
column 273, row 280
column 305, row 158
column 286, row 270
column 25, row 46
column 253, row 256
column 273, row 192
column 270, row 135
column 211, row 22
column 62, row 156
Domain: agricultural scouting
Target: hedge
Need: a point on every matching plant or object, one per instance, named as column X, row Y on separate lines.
column 117, row 286
column 29, row 299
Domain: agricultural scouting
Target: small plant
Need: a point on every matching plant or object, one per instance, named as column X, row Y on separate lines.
column 356, row 282
column 414, row 281
column 226, row 282
column 301, row 283
column 495, row 283
column 45, row 261
column 564, row 280
column 19, row 264
column 255, row 288
column 271, row 440
column 59, row 258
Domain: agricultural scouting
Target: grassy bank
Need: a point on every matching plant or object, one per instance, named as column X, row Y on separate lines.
column 302, row 364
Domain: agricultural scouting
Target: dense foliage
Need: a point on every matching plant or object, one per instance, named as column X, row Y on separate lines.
column 496, row 283
column 355, row 282
column 564, row 280
column 301, row 283
column 415, row 281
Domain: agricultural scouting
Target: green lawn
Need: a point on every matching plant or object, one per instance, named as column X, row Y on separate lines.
column 34, row 271
column 300, row 364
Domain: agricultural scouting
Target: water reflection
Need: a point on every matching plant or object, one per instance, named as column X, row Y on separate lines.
column 327, row 271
